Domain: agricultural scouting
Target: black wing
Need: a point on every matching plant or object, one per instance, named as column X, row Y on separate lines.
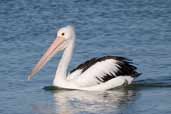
column 124, row 65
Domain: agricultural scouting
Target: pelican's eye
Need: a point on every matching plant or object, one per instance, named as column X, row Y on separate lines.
column 63, row 34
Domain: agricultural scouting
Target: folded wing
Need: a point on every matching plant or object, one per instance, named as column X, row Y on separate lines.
column 100, row 70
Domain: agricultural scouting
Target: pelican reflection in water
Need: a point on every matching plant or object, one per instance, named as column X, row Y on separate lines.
column 77, row 102
column 71, row 102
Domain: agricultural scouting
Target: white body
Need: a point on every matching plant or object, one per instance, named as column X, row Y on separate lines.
column 87, row 80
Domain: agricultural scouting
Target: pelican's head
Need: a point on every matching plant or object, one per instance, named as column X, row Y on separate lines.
column 66, row 32
column 64, row 36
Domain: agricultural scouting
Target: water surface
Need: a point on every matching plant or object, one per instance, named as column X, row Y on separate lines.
column 139, row 30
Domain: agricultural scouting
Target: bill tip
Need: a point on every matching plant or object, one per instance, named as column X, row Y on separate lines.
column 29, row 78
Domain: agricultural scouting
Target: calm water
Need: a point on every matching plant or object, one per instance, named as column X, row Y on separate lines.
column 138, row 29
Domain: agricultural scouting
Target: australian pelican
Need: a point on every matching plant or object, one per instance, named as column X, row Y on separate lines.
column 97, row 74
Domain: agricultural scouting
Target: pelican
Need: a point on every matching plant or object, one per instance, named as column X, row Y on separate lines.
column 96, row 74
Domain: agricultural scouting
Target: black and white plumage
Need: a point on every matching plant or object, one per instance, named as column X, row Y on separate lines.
column 95, row 74
column 101, row 70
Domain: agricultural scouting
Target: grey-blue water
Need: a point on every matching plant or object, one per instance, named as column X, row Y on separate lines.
column 137, row 29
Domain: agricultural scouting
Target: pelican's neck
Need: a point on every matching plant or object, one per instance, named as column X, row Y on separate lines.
column 61, row 72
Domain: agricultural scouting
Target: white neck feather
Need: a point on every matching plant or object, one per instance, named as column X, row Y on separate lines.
column 61, row 73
